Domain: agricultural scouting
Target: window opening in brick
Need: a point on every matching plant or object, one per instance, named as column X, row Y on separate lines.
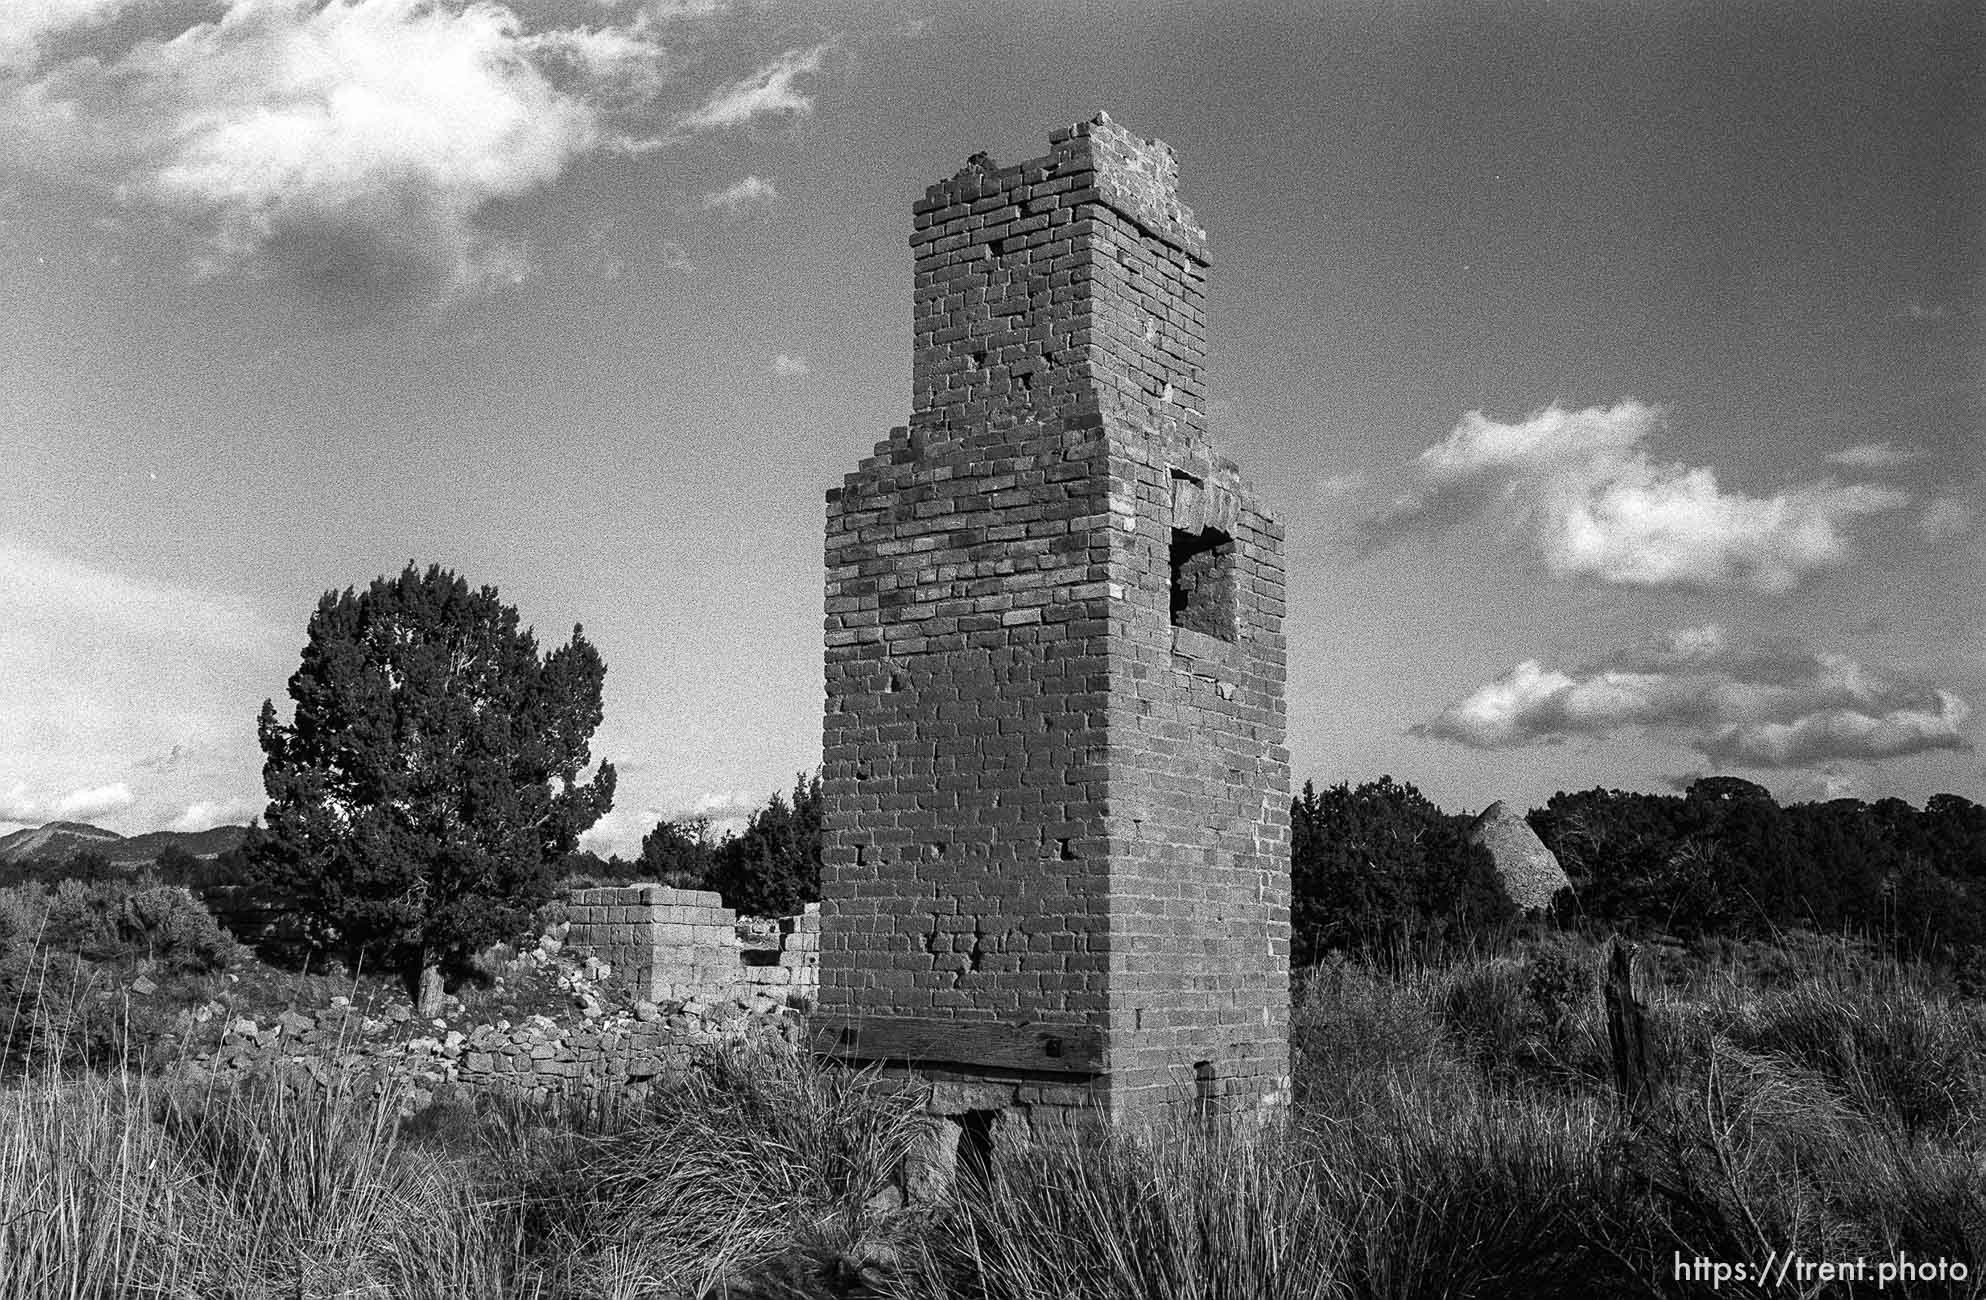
column 1203, row 582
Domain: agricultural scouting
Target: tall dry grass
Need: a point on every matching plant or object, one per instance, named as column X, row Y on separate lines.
column 127, row 1187
column 1453, row 1135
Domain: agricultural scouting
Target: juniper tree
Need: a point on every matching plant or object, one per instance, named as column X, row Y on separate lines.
column 428, row 785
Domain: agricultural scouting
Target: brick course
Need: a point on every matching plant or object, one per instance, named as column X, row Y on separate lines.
column 1055, row 777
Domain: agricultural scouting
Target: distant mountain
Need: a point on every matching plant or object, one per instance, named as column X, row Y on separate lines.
column 59, row 840
column 210, row 843
column 55, row 840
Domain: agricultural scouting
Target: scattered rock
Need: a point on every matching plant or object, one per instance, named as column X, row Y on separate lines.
column 929, row 1171
column 868, row 1264
column 593, row 1042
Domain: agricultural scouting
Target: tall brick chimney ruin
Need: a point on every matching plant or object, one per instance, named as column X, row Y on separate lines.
column 1056, row 847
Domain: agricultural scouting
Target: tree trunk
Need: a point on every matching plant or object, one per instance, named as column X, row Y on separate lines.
column 427, row 1002
column 1627, row 1031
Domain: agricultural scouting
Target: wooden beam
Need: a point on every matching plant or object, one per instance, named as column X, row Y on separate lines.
column 928, row 1040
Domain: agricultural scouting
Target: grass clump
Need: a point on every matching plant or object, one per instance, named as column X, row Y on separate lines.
column 128, row 1188
column 758, row 1165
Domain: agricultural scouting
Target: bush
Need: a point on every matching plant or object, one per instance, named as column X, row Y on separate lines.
column 774, row 868
column 1562, row 980
column 1488, row 1008
column 1381, row 869
column 1901, row 1055
column 56, row 1014
column 115, row 922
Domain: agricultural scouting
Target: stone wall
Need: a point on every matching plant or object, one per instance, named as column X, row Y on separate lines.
column 1055, row 856
column 688, row 979
column 540, row 1058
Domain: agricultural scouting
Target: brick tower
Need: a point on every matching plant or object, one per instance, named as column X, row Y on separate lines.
column 1056, row 837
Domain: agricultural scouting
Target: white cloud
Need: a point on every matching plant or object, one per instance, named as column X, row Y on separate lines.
column 25, row 24
column 1864, row 730
column 205, row 814
column 751, row 190
column 618, row 833
column 790, row 366
column 723, row 805
column 1788, row 785
column 18, row 805
column 1875, row 455
column 1815, row 787
column 117, row 683
column 1945, row 517
column 621, row 830
column 167, row 761
column 770, row 90
column 21, row 804
column 1750, row 703
column 95, row 801
column 55, row 588
column 349, row 143
column 676, row 258
column 355, row 146
column 1597, row 505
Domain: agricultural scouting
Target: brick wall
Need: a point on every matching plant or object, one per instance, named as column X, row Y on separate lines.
column 790, row 967
column 1055, row 863
column 671, row 945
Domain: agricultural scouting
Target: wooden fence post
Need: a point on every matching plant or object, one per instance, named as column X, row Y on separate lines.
column 1627, row 1029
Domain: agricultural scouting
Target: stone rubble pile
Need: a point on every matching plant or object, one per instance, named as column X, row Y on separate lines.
column 609, row 1045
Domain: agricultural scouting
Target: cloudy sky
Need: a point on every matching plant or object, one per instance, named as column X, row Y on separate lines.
column 1616, row 368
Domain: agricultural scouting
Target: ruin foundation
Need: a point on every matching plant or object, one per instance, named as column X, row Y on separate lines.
column 671, row 945
column 1056, row 849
